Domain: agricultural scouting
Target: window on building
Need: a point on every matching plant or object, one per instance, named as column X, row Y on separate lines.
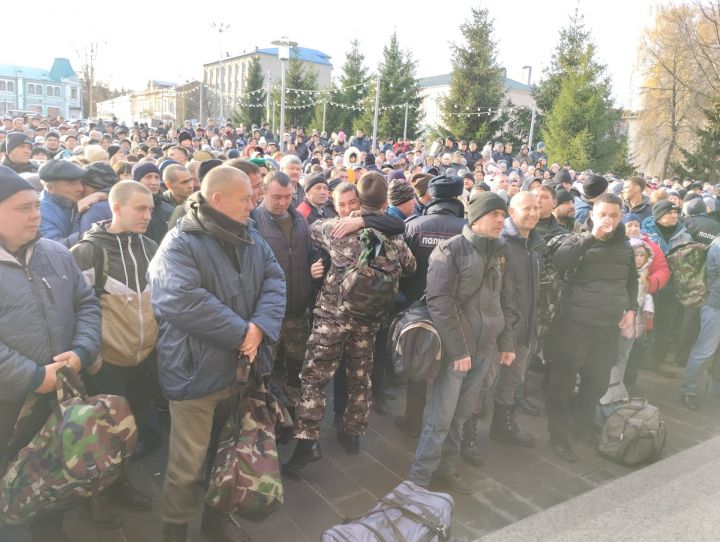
column 2, row 85
column 31, row 88
column 73, row 93
column 57, row 92
column 53, row 111
column 11, row 86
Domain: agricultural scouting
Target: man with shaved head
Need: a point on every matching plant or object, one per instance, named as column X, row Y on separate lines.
column 218, row 295
column 524, row 252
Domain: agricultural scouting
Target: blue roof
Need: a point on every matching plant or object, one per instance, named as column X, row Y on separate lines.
column 302, row 53
column 61, row 68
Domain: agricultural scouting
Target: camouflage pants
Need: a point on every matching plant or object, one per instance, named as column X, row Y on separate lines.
column 330, row 340
column 289, row 355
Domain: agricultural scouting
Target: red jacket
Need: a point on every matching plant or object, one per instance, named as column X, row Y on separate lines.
column 658, row 272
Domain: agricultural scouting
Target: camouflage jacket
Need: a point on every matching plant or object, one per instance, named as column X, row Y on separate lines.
column 344, row 252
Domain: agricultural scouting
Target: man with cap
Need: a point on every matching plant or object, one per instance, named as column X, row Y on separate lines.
column 18, row 147
column 703, row 227
column 337, row 330
column 148, row 174
column 59, row 201
column 592, row 187
column 55, row 300
column 99, row 177
column 316, row 204
column 52, row 144
column 401, row 197
column 539, row 153
column 443, row 217
column 564, row 211
column 469, row 297
column 602, row 300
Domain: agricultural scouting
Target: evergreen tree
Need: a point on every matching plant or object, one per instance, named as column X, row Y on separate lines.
column 703, row 164
column 623, row 165
column 398, row 85
column 352, row 87
column 253, row 112
column 580, row 123
column 476, row 84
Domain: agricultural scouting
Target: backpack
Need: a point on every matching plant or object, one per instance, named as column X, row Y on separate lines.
column 78, row 452
column 415, row 344
column 687, row 264
column 634, row 433
column 369, row 286
column 129, row 328
column 554, row 289
column 409, row 513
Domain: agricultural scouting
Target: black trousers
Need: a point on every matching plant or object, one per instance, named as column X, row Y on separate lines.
column 666, row 327
column 591, row 352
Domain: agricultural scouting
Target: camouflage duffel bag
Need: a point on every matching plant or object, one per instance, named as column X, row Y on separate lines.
column 245, row 477
column 79, row 451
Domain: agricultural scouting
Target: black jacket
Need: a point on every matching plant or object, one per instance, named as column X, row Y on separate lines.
column 549, row 227
column 29, row 167
column 441, row 220
column 295, row 259
column 160, row 219
column 524, row 257
column 603, row 278
column 644, row 209
column 703, row 228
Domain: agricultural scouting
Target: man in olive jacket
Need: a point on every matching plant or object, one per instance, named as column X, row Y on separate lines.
column 469, row 297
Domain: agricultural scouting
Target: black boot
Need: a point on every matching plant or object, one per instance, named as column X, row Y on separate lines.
column 504, row 428
column 174, row 532
column 103, row 515
column 285, row 434
column 222, row 527
column 469, row 446
column 305, row 452
column 351, row 443
column 126, row 496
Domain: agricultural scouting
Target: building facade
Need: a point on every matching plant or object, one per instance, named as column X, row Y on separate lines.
column 226, row 80
column 56, row 92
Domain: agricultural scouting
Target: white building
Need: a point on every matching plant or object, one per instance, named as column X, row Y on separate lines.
column 432, row 89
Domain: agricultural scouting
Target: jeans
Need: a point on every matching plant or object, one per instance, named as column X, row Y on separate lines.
column 624, row 349
column 703, row 350
column 452, row 399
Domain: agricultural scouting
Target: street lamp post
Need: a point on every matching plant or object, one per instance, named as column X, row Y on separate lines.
column 283, row 45
column 221, row 27
column 532, row 119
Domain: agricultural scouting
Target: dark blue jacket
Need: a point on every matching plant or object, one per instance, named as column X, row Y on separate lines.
column 204, row 306
column 98, row 212
column 60, row 220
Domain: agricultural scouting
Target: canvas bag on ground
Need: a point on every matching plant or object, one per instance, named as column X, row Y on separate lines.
column 634, row 433
column 245, row 476
column 409, row 513
column 78, row 452
column 415, row 344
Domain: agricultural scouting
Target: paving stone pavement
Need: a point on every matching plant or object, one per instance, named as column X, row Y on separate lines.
column 514, row 483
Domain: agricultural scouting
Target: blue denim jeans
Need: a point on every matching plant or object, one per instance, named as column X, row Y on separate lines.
column 703, row 350
column 452, row 399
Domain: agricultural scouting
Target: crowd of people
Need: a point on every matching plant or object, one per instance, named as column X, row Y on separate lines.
column 155, row 263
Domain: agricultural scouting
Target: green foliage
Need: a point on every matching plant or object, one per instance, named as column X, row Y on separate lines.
column 299, row 110
column 580, row 121
column 703, row 164
column 352, row 87
column 250, row 115
column 516, row 126
column 398, row 85
column 477, row 82
column 623, row 165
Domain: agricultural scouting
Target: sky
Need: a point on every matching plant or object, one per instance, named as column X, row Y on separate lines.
column 142, row 40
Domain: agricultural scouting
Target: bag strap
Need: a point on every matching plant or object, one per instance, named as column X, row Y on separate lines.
column 100, row 265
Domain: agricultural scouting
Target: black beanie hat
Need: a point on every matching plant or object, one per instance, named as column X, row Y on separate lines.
column 100, row 175
column 112, row 150
column 594, row 185
column 446, row 186
column 318, row 178
column 663, row 207
column 183, row 136
column 15, row 139
column 483, row 203
column 141, row 169
column 11, row 183
column 563, row 176
column 205, row 167
column 563, row 196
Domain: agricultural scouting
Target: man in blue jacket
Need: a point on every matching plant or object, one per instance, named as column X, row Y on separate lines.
column 218, row 293
column 49, row 319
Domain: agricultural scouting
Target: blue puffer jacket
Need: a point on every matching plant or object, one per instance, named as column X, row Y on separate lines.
column 60, row 221
column 203, row 306
column 46, row 308
column 680, row 237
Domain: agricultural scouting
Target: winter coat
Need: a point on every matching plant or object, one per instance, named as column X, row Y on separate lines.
column 129, row 327
column 645, row 301
column 712, row 275
column 441, row 220
column 643, row 209
column 525, row 257
column 160, row 219
column 658, row 270
column 583, row 209
column 59, row 219
column 679, row 237
column 549, row 227
column 295, row 259
column 204, row 304
column 28, row 167
column 603, row 280
column 47, row 309
column 469, row 296
column 311, row 213
column 98, row 212
column 703, row 228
